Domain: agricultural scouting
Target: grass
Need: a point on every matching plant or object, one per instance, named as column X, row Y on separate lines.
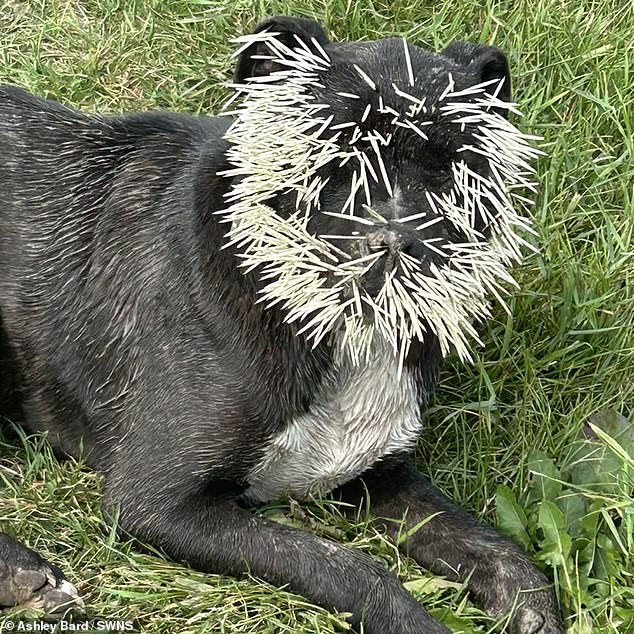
column 562, row 361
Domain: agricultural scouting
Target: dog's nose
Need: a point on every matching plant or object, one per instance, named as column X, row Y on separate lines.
column 385, row 238
column 395, row 242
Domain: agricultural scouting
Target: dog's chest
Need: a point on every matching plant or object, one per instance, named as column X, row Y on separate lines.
column 361, row 414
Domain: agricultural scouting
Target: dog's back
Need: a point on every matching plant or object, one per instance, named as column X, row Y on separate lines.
column 91, row 210
column 72, row 179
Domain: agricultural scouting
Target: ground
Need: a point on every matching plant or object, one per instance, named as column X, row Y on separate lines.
column 503, row 433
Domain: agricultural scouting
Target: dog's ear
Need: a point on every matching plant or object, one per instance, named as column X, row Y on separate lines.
column 485, row 62
column 291, row 32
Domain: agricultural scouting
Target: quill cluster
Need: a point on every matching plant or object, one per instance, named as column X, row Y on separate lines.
column 281, row 138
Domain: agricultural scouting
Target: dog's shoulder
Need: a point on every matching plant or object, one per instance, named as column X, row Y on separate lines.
column 165, row 129
column 17, row 99
column 32, row 122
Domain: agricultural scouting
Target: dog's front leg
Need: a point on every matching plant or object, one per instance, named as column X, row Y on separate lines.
column 217, row 535
column 454, row 544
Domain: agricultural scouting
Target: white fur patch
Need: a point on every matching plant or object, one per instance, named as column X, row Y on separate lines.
column 361, row 413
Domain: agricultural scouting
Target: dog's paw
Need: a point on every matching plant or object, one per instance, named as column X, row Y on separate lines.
column 534, row 612
column 514, row 590
column 536, row 620
column 56, row 600
column 27, row 581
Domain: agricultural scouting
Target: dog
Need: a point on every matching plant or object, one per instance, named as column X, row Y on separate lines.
column 216, row 312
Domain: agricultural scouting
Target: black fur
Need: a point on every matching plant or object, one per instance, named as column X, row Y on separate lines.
column 139, row 340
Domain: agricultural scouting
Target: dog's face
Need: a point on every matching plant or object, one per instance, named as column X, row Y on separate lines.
column 374, row 182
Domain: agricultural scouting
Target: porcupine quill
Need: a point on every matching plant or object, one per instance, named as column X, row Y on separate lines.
column 281, row 137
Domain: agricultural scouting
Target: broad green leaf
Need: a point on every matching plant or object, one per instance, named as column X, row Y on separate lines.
column 598, row 461
column 511, row 518
column 614, row 445
column 573, row 506
column 556, row 543
column 617, row 427
column 607, row 560
column 583, row 625
column 456, row 624
column 588, row 528
column 591, row 466
column 431, row 585
column 545, row 477
column 626, row 614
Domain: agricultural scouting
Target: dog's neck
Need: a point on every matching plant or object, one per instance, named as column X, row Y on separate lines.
column 363, row 410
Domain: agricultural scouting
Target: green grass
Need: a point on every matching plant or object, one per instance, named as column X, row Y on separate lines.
column 563, row 359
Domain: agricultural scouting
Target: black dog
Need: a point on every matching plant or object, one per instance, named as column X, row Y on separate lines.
column 140, row 342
